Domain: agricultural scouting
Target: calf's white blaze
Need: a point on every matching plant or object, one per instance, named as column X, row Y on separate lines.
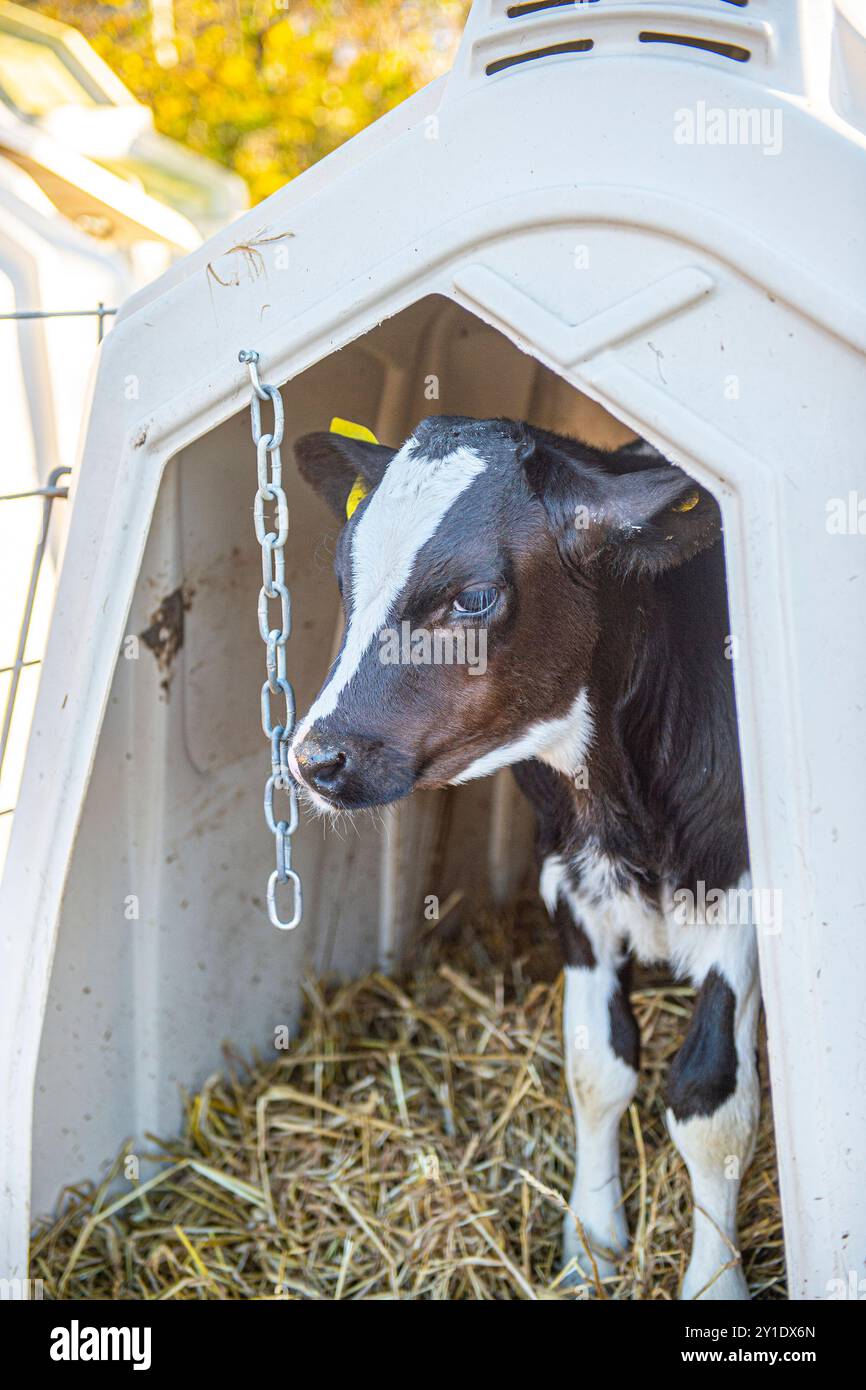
column 404, row 512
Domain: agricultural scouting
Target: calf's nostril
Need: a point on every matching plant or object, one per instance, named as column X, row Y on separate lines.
column 326, row 769
column 323, row 766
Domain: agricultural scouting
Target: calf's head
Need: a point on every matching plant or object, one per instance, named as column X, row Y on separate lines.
column 471, row 575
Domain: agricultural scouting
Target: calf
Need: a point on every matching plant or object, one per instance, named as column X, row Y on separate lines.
column 598, row 582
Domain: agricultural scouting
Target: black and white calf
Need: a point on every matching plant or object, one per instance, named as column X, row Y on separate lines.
column 599, row 582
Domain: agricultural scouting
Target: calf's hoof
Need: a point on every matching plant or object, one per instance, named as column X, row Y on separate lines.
column 730, row 1285
column 574, row 1253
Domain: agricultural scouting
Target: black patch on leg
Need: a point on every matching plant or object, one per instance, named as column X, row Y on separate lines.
column 624, row 1032
column 575, row 943
column 704, row 1072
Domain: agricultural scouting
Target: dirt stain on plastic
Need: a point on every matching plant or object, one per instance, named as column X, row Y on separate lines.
column 164, row 637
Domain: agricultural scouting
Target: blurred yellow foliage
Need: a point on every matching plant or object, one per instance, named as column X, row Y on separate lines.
column 267, row 87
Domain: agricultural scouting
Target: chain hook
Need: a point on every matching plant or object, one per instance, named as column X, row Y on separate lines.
column 251, row 358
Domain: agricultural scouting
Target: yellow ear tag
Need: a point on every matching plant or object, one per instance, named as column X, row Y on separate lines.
column 360, row 487
column 688, row 502
column 356, row 496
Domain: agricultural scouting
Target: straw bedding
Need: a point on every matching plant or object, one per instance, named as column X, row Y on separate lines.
column 414, row 1141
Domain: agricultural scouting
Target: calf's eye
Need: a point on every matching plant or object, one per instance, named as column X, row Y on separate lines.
column 474, row 603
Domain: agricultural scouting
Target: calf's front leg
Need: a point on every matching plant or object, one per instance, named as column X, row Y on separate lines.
column 601, row 1057
column 714, row 1099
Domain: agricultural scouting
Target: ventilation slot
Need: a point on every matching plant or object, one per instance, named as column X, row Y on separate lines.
column 533, row 6
column 724, row 50
column 576, row 46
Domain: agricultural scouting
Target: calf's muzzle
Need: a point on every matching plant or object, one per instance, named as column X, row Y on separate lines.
column 351, row 771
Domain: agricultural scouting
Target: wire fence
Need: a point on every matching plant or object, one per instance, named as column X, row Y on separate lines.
column 50, row 493
column 100, row 313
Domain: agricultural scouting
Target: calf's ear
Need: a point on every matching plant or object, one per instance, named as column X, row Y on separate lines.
column 331, row 463
column 639, row 521
column 647, row 522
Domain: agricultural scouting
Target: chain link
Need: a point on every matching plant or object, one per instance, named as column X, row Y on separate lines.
column 274, row 590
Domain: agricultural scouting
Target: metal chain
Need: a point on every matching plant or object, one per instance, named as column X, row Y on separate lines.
column 269, row 469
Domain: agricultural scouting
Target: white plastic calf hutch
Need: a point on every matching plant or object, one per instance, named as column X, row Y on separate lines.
column 608, row 218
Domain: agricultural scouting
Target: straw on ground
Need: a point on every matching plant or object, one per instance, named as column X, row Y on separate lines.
column 414, row 1142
